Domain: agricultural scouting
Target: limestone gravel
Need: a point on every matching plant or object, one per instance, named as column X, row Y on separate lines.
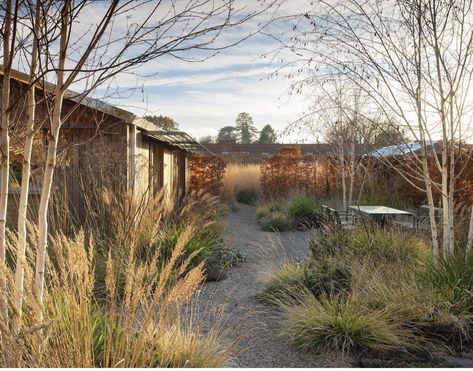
column 250, row 327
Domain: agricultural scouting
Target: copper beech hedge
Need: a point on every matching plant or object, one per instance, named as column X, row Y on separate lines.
column 206, row 173
column 289, row 171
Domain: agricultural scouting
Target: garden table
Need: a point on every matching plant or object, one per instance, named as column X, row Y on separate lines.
column 381, row 213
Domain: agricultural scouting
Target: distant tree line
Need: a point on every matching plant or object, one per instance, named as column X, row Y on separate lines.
column 244, row 131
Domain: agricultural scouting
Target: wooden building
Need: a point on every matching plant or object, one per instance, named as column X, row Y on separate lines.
column 101, row 147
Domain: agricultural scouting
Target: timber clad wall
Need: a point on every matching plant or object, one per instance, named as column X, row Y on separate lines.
column 91, row 161
column 100, row 147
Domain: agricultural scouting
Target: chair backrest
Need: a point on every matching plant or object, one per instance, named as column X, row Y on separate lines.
column 331, row 214
column 423, row 213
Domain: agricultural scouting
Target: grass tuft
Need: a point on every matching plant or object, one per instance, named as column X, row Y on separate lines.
column 376, row 290
column 241, row 183
column 275, row 222
column 330, row 324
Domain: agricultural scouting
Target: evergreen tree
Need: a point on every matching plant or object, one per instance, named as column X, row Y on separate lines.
column 267, row 135
column 246, row 131
column 227, row 133
column 207, row 139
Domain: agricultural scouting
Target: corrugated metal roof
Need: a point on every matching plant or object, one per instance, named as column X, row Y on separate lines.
column 87, row 101
column 399, row 150
column 179, row 139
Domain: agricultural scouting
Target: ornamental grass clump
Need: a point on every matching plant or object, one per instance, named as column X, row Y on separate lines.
column 276, row 221
column 296, row 212
column 289, row 278
column 143, row 326
column 375, row 290
column 332, row 324
column 241, row 183
column 116, row 295
column 320, row 278
column 304, row 211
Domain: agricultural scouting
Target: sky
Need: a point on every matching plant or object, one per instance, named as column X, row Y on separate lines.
column 205, row 96
column 203, row 99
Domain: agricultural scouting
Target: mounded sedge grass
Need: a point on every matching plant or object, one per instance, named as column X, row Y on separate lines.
column 398, row 297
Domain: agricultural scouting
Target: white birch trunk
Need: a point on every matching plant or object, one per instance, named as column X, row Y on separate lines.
column 25, row 179
column 55, row 126
column 451, row 189
column 4, row 153
column 352, row 171
column 451, row 205
column 425, row 166
column 45, row 197
column 447, row 248
column 344, row 182
column 469, row 243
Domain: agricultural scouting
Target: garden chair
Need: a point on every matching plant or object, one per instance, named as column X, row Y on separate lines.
column 341, row 218
column 423, row 219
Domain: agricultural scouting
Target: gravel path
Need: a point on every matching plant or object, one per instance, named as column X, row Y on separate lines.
column 250, row 327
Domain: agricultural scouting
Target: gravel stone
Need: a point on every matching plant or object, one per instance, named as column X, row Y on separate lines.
column 252, row 329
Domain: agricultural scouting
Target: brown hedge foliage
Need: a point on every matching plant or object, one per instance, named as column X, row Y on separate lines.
column 377, row 181
column 384, row 179
column 206, row 173
column 290, row 171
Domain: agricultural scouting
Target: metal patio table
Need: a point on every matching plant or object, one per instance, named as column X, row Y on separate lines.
column 381, row 213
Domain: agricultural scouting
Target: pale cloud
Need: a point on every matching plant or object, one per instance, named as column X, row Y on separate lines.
column 203, row 110
column 204, row 96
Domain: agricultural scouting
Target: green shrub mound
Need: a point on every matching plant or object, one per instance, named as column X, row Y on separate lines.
column 332, row 324
column 275, row 222
column 304, row 211
column 374, row 290
column 297, row 212
column 247, row 196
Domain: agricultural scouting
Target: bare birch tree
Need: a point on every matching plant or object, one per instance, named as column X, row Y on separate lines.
column 123, row 36
column 414, row 60
column 9, row 28
column 341, row 113
column 26, row 166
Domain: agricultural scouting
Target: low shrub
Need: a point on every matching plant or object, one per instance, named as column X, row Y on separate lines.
column 221, row 259
column 326, row 325
column 275, row 222
column 247, row 196
column 304, row 210
column 261, row 212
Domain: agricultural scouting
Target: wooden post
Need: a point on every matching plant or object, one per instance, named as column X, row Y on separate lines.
column 131, row 141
